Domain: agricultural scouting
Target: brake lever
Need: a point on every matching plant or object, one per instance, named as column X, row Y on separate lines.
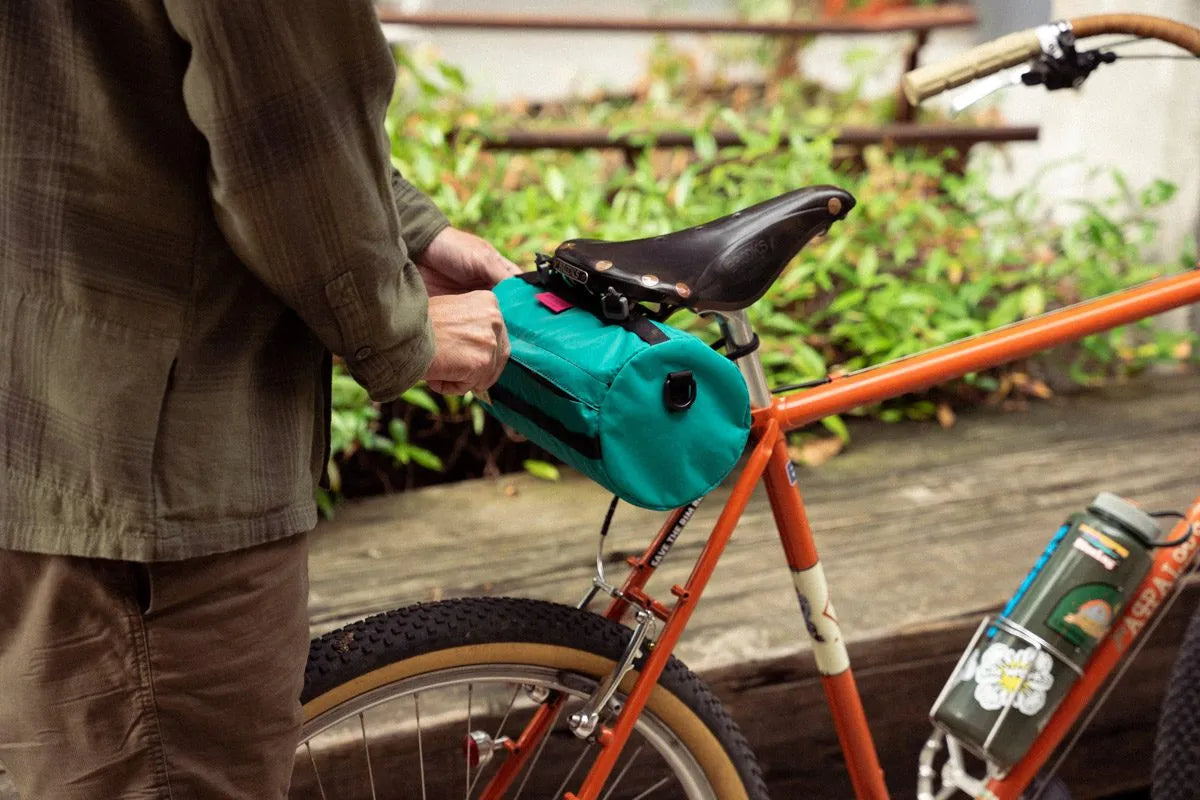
column 987, row 86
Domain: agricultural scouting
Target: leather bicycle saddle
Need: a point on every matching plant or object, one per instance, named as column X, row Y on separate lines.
column 722, row 265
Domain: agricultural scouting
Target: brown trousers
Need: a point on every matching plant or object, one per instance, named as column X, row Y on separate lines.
column 175, row 680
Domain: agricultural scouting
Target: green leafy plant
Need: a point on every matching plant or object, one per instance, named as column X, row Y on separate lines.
column 928, row 256
column 356, row 427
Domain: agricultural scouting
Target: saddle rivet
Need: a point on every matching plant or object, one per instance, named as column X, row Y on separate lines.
column 603, row 265
column 835, row 205
column 683, row 290
column 650, row 280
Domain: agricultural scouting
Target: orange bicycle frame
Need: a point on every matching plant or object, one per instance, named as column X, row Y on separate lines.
column 768, row 460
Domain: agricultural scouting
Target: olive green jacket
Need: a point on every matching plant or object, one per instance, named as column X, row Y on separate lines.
column 196, row 207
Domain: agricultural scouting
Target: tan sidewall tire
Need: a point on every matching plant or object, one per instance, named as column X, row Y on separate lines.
column 703, row 745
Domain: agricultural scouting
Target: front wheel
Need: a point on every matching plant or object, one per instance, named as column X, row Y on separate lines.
column 402, row 705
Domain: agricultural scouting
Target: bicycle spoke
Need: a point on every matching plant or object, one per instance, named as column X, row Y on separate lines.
column 624, row 770
column 316, row 772
column 507, row 711
column 537, row 755
column 562, row 787
column 362, row 721
column 420, row 746
column 511, row 702
column 655, row 787
column 467, row 747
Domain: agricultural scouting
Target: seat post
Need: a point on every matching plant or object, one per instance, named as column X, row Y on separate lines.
column 735, row 325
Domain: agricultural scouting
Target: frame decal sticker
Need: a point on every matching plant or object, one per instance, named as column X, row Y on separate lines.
column 1104, row 549
column 829, row 649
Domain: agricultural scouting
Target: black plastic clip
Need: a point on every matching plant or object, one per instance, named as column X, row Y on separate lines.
column 545, row 268
column 614, row 305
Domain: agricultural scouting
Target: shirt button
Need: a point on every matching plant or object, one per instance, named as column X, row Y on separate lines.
column 363, row 352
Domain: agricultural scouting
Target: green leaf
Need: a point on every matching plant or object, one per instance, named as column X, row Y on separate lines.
column 1033, row 301
column 421, row 398
column 1008, row 310
column 836, row 426
column 1158, row 193
column 556, row 184
column 541, row 469
column 809, row 360
column 325, row 503
column 346, row 392
column 453, row 75
column 426, row 459
column 868, row 265
column 705, row 145
column 682, row 187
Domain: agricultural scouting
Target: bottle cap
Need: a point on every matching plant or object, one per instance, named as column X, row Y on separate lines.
column 1129, row 516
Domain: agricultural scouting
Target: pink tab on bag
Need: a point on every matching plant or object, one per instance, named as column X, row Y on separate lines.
column 553, row 302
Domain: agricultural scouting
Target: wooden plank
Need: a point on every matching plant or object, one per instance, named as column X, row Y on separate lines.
column 903, row 134
column 912, row 19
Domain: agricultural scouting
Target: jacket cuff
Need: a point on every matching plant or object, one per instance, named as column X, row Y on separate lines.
column 389, row 374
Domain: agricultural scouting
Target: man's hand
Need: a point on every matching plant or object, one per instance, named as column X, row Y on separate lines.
column 457, row 261
column 470, row 342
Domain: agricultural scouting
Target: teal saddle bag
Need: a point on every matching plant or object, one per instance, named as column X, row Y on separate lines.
column 646, row 410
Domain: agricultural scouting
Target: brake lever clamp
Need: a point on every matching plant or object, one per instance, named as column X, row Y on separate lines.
column 1061, row 66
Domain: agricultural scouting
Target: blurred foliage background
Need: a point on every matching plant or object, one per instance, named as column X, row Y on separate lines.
column 927, row 256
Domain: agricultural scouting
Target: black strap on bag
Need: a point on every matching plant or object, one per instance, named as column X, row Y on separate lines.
column 586, row 446
column 611, row 307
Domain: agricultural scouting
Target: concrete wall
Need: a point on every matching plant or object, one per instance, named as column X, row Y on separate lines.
column 1142, row 117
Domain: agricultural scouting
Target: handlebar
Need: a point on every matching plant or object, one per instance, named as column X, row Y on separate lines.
column 1007, row 51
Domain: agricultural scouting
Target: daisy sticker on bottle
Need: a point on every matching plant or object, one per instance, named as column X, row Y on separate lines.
column 1005, row 672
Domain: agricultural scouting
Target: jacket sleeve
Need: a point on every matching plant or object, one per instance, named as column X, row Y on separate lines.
column 420, row 219
column 291, row 99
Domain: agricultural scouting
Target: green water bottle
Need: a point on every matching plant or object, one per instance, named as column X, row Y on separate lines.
column 1021, row 664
